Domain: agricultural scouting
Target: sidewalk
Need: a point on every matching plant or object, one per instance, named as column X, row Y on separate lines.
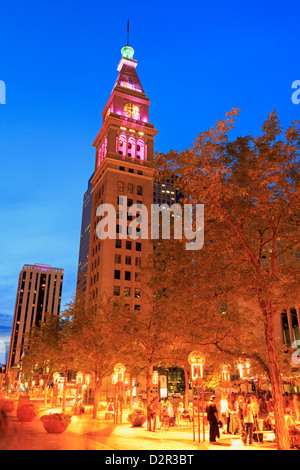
column 86, row 433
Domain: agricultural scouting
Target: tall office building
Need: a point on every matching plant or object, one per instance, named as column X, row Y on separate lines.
column 124, row 151
column 39, row 292
column 84, row 239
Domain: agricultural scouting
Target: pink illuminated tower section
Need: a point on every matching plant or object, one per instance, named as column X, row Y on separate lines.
column 124, row 152
column 126, row 116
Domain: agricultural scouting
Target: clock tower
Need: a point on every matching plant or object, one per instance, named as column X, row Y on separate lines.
column 124, row 150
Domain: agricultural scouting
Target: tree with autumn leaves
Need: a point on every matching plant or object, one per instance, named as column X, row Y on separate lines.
column 250, row 191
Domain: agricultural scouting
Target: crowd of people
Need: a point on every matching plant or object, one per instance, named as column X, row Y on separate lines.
column 252, row 414
column 247, row 415
column 161, row 413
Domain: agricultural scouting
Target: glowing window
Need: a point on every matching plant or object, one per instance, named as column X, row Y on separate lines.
column 122, row 145
column 102, row 149
column 131, row 147
column 140, row 150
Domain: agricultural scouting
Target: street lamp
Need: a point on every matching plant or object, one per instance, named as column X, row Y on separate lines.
column 155, row 377
column 56, row 376
column 119, row 371
column 225, row 374
column 240, row 367
column 197, row 360
column 79, row 378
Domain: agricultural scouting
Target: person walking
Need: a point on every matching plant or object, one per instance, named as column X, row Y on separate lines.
column 223, row 412
column 180, row 411
column 249, row 414
column 213, row 419
column 152, row 413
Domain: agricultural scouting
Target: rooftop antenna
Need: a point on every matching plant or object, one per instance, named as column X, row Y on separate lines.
column 128, row 33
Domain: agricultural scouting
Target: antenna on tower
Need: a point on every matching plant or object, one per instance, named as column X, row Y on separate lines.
column 128, row 33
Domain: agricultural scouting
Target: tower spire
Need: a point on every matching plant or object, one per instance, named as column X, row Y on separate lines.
column 127, row 51
column 128, row 33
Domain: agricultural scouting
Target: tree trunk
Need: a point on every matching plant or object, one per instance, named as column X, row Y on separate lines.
column 282, row 435
column 97, row 395
column 148, row 388
column 64, row 390
column 131, row 390
column 46, row 393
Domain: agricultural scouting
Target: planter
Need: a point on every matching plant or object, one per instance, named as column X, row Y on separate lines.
column 137, row 418
column 139, row 421
column 54, row 427
column 7, row 406
column 26, row 413
column 56, row 423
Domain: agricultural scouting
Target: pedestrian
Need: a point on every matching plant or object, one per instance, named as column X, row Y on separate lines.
column 249, row 414
column 255, row 405
column 171, row 415
column 165, row 417
column 180, row 411
column 190, row 412
column 270, row 404
column 3, row 423
column 213, row 419
column 223, row 411
column 152, row 413
column 232, row 422
column 263, row 408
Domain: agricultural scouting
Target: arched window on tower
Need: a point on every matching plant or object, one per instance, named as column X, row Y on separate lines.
column 102, row 152
column 131, row 147
column 99, row 156
column 140, row 150
column 139, row 190
column 122, row 145
column 105, row 148
column 120, row 187
column 130, row 188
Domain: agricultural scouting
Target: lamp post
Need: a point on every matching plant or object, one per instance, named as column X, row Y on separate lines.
column 196, row 360
column 119, row 371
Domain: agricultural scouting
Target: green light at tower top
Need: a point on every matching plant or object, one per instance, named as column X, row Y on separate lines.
column 127, row 51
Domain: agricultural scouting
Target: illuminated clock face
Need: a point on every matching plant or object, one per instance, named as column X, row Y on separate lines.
column 132, row 110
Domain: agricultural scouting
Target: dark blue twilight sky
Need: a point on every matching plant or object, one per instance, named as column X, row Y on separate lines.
column 196, row 61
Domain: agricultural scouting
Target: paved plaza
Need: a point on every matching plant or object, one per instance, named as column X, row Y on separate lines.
column 86, row 433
